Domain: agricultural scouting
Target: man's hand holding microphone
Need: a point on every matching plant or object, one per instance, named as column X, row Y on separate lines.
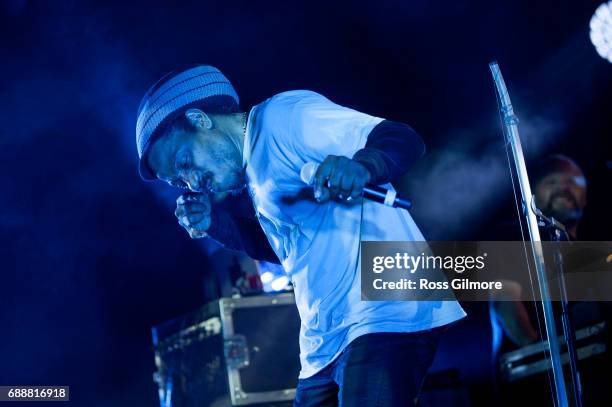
column 193, row 211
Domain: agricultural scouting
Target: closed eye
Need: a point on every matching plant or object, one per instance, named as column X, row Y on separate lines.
column 182, row 161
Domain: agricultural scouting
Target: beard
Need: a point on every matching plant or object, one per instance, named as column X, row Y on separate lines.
column 236, row 182
column 564, row 214
column 236, row 191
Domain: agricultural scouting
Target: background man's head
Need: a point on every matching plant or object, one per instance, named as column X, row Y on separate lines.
column 560, row 189
column 184, row 131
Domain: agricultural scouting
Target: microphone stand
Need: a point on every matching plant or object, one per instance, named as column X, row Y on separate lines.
column 558, row 233
column 513, row 140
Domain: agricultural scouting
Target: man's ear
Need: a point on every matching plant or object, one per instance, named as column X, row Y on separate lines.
column 199, row 119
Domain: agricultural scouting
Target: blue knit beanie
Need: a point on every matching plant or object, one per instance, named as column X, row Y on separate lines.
column 201, row 86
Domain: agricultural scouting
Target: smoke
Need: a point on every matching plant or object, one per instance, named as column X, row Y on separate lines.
column 459, row 186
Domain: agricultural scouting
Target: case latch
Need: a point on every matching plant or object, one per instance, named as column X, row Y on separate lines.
column 236, row 352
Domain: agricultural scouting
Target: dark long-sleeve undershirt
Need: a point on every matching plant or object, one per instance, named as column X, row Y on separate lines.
column 390, row 150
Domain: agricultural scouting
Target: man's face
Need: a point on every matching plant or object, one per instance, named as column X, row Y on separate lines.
column 562, row 194
column 203, row 160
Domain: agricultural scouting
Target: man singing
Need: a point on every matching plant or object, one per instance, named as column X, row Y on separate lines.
column 191, row 134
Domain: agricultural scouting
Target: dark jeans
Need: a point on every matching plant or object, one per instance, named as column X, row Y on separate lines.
column 378, row 369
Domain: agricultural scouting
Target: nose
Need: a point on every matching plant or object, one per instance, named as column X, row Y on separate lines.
column 191, row 179
column 197, row 181
column 566, row 186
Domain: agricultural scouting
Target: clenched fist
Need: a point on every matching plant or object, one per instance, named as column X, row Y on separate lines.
column 340, row 178
column 193, row 213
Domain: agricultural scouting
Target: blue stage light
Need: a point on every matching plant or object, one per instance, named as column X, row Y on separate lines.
column 266, row 277
column 280, row 283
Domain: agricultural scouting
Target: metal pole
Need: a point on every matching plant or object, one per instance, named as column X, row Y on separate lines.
column 513, row 139
column 566, row 317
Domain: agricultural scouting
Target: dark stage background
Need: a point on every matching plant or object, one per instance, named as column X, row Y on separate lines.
column 91, row 257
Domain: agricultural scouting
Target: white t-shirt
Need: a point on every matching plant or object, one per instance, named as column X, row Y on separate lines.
column 318, row 243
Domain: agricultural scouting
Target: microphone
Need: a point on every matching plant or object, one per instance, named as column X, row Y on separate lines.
column 371, row 192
